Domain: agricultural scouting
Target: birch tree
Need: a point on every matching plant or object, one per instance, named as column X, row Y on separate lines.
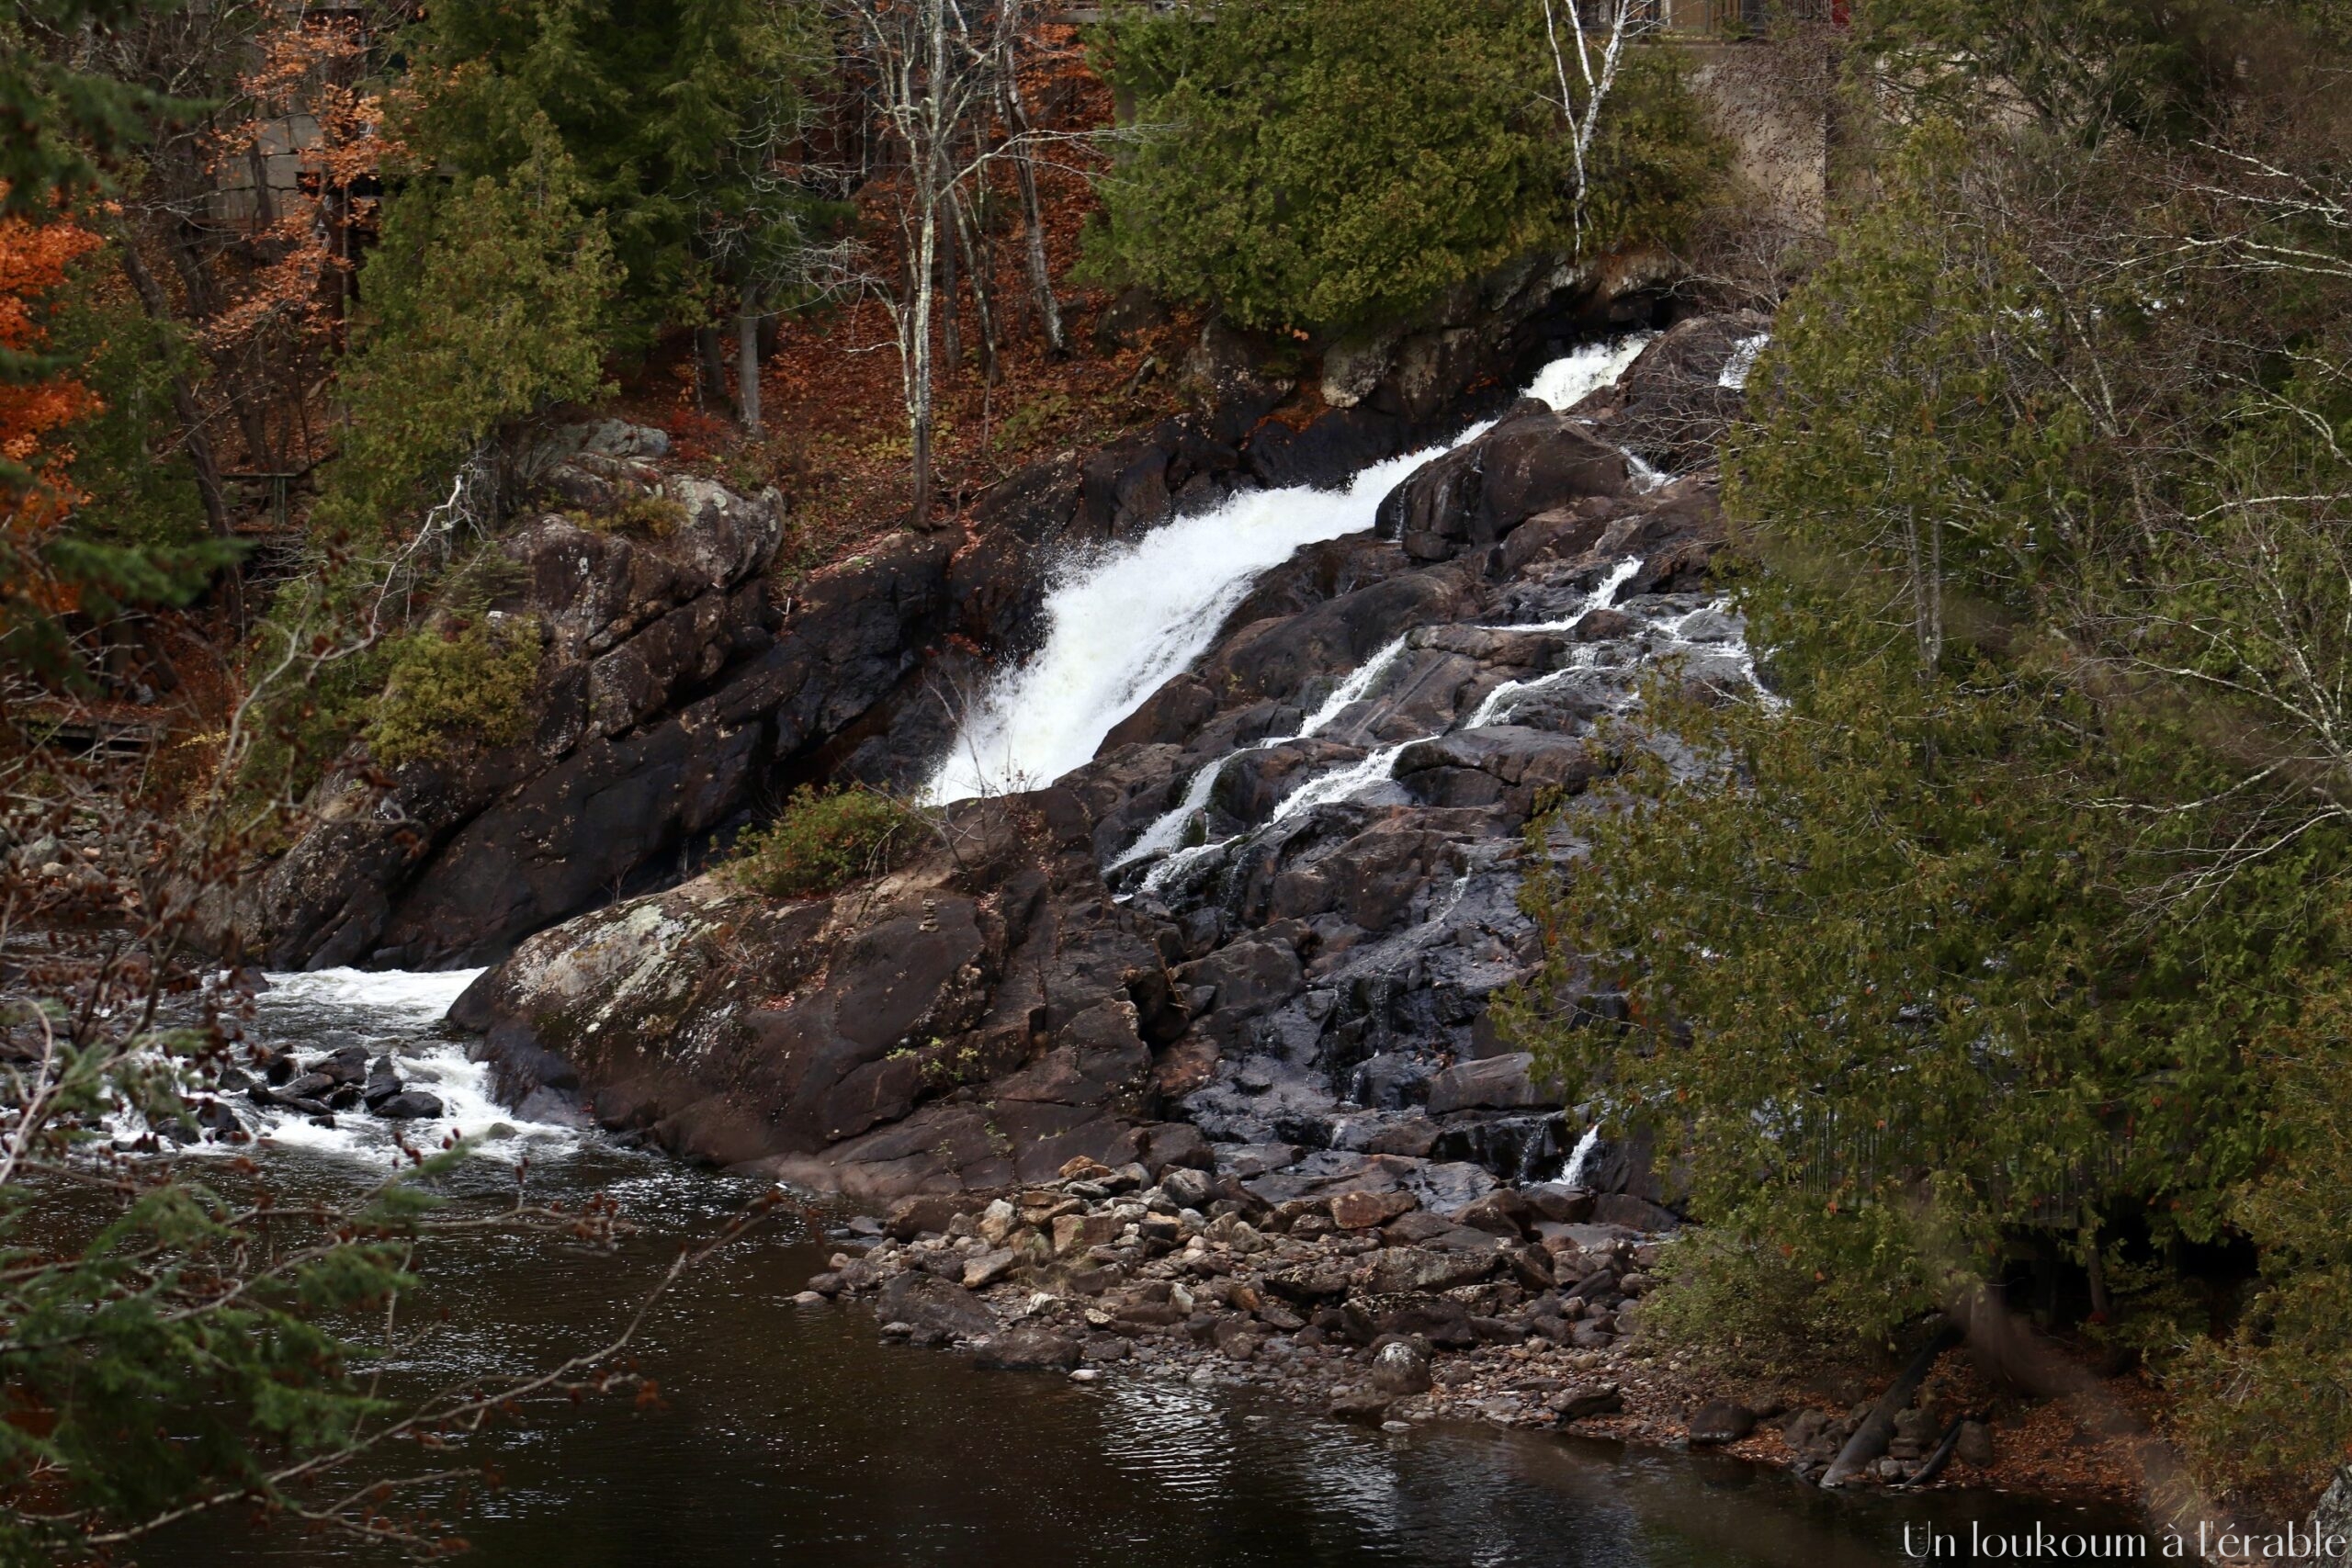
column 1613, row 21
column 931, row 68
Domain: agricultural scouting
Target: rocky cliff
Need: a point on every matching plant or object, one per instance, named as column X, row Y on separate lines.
column 1263, row 927
column 686, row 685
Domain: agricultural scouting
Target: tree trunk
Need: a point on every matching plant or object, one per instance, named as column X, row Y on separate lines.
column 191, row 418
column 1024, row 169
column 917, row 348
column 710, row 379
column 204, row 304
column 968, row 235
column 950, row 330
column 747, row 358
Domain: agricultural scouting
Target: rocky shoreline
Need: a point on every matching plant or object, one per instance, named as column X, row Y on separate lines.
column 1518, row 1310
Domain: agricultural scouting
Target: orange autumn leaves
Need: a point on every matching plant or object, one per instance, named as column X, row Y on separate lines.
column 34, row 259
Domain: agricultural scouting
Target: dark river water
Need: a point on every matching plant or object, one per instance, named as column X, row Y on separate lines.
column 794, row 1435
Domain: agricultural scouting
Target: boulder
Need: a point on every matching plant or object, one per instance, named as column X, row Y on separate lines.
column 1720, row 1421
column 982, row 1269
column 1400, row 1370
column 1395, row 1271
column 1499, row 1083
column 1365, row 1211
column 411, row 1105
column 925, row 1303
column 1600, row 1399
column 1027, row 1349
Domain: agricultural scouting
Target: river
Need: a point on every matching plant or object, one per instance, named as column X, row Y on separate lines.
column 789, row 1435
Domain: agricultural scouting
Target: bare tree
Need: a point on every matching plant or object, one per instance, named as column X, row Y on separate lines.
column 932, row 69
column 1024, row 169
column 1615, row 21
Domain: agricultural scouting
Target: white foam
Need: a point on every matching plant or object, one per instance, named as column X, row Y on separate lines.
column 1581, row 1156
column 1573, row 378
column 1120, row 626
column 393, row 1012
column 1351, row 689
column 1742, row 361
column 406, row 992
column 1120, row 623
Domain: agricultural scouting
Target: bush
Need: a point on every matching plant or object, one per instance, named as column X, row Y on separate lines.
column 474, row 685
column 488, row 301
column 1331, row 164
column 825, row 839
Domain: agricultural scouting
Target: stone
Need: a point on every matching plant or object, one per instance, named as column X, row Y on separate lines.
column 1576, row 1405
column 997, row 1222
column 1398, row 1368
column 1081, row 1167
column 1634, row 1214
column 926, row 1303
column 1721, row 1421
column 1028, row 1349
column 809, row 1298
column 1366, row 1403
column 911, row 1217
column 1974, row 1445
column 985, row 1268
column 1075, row 1233
column 411, row 1105
column 1502, row 1211
column 1236, row 1339
column 1396, row 1270
column 1363, row 1211
column 382, row 1084
column 1186, row 1187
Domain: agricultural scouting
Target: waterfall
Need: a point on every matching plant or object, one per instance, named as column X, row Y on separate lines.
column 1122, row 622
column 1581, row 1156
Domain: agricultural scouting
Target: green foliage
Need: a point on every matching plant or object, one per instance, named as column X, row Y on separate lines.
column 130, row 463
column 149, row 1386
column 487, row 300
column 1330, row 164
column 445, row 689
column 656, row 106
column 62, row 117
column 2085, row 68
column 1995, row 938
column 825, row 839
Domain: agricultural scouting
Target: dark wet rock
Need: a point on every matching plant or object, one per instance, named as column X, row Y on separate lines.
column 383, row 1083
column 1605, row 1399
column 1498, row 1083
column 1532, row 461
column 1028, row 1349
column 1721, row 1421
column 1400, row 1368
column 409, row 1105
column 925, row 1303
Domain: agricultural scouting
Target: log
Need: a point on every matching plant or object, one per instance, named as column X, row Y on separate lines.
column 1869, row 1438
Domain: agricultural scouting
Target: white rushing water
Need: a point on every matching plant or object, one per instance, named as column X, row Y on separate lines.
column 393, row 1013
column 1121, row 623
column 1581, row 1156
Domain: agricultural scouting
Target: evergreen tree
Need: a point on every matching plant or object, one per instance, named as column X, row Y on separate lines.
column 1331, row 164
column 654, row 102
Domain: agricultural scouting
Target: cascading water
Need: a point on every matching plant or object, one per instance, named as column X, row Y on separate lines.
column 1122, row 623
column 1581, row 1156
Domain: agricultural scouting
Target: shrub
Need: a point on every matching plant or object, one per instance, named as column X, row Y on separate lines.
column 474, row 685
column 1332, row 164
column 825, row 839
